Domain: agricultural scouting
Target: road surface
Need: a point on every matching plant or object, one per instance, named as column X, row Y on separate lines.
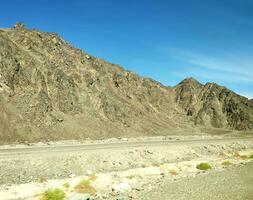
column 234, row 183
column 116, row 145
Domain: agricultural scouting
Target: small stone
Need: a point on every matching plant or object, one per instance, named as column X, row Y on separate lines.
column 162, row 174
column 76, row 196
column 72, row 175
column 60, row 120
column 105, row 196
column 150, row 152
column 133, row 195
column 138, row 189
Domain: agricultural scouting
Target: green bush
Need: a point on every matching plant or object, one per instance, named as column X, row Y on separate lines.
column 204, row 166
column 53, row 194
column 251, row 156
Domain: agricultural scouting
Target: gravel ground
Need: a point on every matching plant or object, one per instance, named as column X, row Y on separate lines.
column 236, row 182
column 27, row 168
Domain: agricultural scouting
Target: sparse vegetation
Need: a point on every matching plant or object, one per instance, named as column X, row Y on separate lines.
column 53, row 194
column 66, row 185
column 239, row 156
column 143, row 166
column 156, row 165
column 244, row 157
column 130, row 177
column 251, row 156
column 42, row 179
column 236, row 154
column 226, row 163
column 204, row 166
column 85, row 187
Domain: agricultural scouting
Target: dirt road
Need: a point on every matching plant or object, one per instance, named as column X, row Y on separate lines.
column 118, row 145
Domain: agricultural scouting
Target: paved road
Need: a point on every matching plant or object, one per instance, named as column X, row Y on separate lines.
column 118, row 145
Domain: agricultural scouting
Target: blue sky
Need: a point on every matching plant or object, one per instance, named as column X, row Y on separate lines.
column 166, row 40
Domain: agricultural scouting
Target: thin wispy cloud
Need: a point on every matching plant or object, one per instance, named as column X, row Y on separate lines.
column 215, row 67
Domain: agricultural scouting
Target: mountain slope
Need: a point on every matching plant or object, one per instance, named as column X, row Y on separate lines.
column 50, row 90
column 212, row 105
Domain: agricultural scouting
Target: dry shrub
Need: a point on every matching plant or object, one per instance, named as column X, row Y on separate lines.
column 85, row 187
column 244, row 157
column 226, row 163
column 156, row 165
column 239, row 156
column 93, row 177
column 42, row 179
column 173, row 172
column 66, row 185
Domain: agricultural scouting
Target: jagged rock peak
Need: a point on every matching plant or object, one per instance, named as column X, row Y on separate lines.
column 189, row 80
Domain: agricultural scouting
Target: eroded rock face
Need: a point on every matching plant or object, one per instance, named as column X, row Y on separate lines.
column 215, row 106
column 50, row 90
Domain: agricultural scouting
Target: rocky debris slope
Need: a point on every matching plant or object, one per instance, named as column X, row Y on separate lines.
column 50, row 90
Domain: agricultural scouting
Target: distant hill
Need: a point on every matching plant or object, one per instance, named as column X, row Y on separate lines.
column 50, row 90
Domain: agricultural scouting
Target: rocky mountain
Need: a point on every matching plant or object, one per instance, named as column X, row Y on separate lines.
column 212, row 105
column 50, row 90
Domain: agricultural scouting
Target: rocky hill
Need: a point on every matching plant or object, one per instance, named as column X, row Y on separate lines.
column 212, row 105
column 50, row 90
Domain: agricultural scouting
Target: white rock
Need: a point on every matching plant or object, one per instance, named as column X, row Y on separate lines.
column 76, row 196
column 121, row 187
column 72, row 175
column 150, row 187
column 89, row 172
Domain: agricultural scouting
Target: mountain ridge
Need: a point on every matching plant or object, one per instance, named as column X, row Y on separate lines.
column 51, row 90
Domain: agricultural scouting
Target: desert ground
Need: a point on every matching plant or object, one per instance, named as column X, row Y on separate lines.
column 130, row 168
